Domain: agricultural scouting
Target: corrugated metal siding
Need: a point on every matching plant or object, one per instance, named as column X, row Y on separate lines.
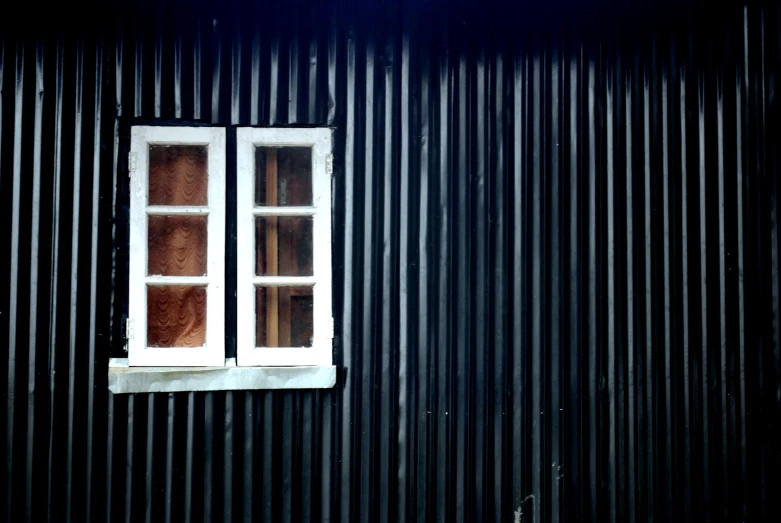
column 556, row 268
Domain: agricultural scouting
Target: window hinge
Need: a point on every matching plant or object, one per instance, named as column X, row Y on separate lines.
column 130, row 330
column 329, row 164
column 331, row 328
column 131, row 162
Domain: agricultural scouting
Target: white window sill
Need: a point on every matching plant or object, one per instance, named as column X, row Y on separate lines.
column 123, row 379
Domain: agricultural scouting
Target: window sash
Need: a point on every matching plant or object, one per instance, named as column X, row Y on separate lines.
column 321, row 351
column 213, row 352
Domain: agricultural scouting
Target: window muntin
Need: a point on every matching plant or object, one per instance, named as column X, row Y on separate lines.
column 284, row 247
column 177, row 245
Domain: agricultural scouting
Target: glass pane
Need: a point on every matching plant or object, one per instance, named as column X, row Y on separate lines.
column 176, row 316
column 177, row 245
column 284, row 176
column 284, row 317
column 177, row 175
column 284, row 246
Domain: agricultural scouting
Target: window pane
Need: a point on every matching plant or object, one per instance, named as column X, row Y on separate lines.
column 176, row 316
column 177, row 175
column 284, row 176
column 177, row 245
column 284, row 246
column 284, row 316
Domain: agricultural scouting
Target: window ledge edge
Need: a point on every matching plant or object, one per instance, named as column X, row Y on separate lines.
column 127, row 380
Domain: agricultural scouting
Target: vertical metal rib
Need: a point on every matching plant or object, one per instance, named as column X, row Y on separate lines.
column 169, row 458
column 553, row 466
column 249, row 468
column 591, row 271
column 479, row 137
column 685, row 358
column 157, row 64
column 178, row 52
column 574, row 399
column 647, row 403
column 406, row 390
column 16, row 175
column 236, row 76
column 72, row 437
column 227, row 460
column 389, row 282
column 34, row 285
column 612, row 365
column 423, row 374
column 255, row 75
column 461, row 306
column 9, row 442
column 500, row 336
column 350, row 372
column 516, row 317
column 216, row 60
column 189, row 457
column 368, row 375
column 741, row 110
column 666, row 243
column 129, row 460
column 444, row 320
column 704, row 362
column 149, row 462
column 538, row 167
column 631, row 363
column 207, row 458
column 138, row 77
column 197, row 47
column 723, row 383
column 93, row 350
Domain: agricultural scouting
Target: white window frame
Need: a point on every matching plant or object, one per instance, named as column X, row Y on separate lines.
column 213, row 353
column 322, row 347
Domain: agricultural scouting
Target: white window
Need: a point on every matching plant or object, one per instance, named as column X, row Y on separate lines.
column 178, row 256
column 284, row 247
column 176, row 309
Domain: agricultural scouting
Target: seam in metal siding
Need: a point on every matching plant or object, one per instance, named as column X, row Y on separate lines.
column 555, row 267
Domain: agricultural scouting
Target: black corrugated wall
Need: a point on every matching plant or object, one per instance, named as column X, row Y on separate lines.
column 556, row 253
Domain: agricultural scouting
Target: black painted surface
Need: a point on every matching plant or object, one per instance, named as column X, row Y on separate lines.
column 556, row 253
